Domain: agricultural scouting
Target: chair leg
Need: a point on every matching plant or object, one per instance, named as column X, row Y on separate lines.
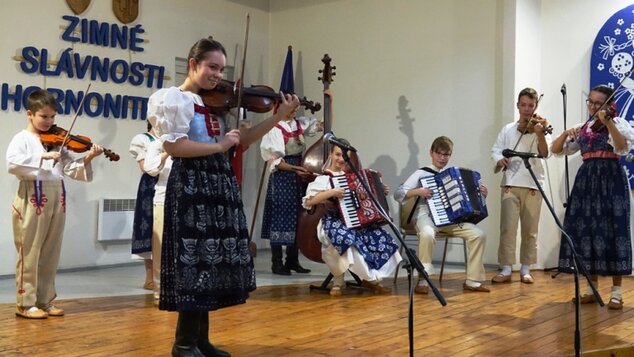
column 357, row 281
column 324, row 284
column 464, row 250
column 442, row 263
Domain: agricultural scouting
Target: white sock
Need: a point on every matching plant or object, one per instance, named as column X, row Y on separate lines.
column 616, row 293
column 506, row 270
column 422, row 282
column 589, row 289
column 524, row 270
column 338, row 281
column 473, row 284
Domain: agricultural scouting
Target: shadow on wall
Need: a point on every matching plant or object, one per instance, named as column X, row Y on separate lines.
column 386, row 165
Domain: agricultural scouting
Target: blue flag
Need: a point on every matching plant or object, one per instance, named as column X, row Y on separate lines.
column 288, row 84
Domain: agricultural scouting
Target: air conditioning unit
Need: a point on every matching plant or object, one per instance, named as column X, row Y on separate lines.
column 116, row 218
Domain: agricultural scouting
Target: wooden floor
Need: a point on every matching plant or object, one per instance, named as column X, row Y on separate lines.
column 513, row 320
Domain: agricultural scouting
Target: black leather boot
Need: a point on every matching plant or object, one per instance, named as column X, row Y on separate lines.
column 276, row 258
column 204, row 345
column 187, row 331
column 292, row 260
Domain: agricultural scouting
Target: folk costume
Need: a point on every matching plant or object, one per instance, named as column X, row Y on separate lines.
column 38, row 216
column 369, row 252
column 205, row 260
column 284, row 143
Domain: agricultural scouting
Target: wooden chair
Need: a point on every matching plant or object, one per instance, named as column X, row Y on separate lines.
column 409, row 230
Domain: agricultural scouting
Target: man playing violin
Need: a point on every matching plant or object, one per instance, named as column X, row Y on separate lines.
column 521, row 199
column 39, row 207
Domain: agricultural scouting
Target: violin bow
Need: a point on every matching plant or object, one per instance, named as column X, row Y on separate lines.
column 81, row 105
column 240, row 80
column 603, row 106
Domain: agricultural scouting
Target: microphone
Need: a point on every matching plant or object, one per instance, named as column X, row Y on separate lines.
column 331, row 138
column 563, row 89
column 524, row 155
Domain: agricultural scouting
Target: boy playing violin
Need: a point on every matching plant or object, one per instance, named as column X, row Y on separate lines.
column 39, row 207
column 521, row 199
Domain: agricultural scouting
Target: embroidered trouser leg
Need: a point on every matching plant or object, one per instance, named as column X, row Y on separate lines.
column 38, row 224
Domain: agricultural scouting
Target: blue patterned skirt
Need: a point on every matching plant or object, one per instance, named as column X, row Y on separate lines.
column 206, row 263
column 142, row 228
column 283, row 200
column 598, row 220
column 373, row 242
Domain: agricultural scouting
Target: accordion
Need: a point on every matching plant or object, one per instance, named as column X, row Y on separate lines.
column 356, row 207
column 456, row 197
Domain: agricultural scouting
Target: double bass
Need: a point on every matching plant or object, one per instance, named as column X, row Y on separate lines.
column 313, row 161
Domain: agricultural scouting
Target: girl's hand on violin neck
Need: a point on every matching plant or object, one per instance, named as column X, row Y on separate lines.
column 95, row 150
column 289, row 104
column 230, row 139
column 604, row 117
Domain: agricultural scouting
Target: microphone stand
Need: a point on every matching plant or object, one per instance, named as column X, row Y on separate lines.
column 577, row 263
column 411, row 260
column 566, row 172
column 566, row 175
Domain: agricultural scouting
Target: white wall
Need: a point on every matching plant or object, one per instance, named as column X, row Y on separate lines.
column 407, row 72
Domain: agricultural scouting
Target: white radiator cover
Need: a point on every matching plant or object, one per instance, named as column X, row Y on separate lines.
column 116, row 218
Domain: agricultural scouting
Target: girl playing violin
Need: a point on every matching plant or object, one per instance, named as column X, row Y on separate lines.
column 598, row 211
column 39, row 207
column 369, row 252
column 205, row 260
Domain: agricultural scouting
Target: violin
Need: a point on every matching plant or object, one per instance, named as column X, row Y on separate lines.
column 529, row 126
column 55, row 136
column 257, row 98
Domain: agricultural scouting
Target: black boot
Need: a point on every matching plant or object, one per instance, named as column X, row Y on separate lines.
column 207, row 349
column 187, row 330
column 292, row 260
column 276, row 258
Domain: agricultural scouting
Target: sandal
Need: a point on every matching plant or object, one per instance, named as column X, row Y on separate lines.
column 586, row 299
column 376, row 287
column 615, row 304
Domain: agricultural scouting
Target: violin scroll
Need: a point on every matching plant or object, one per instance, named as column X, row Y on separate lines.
column 536, row 119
